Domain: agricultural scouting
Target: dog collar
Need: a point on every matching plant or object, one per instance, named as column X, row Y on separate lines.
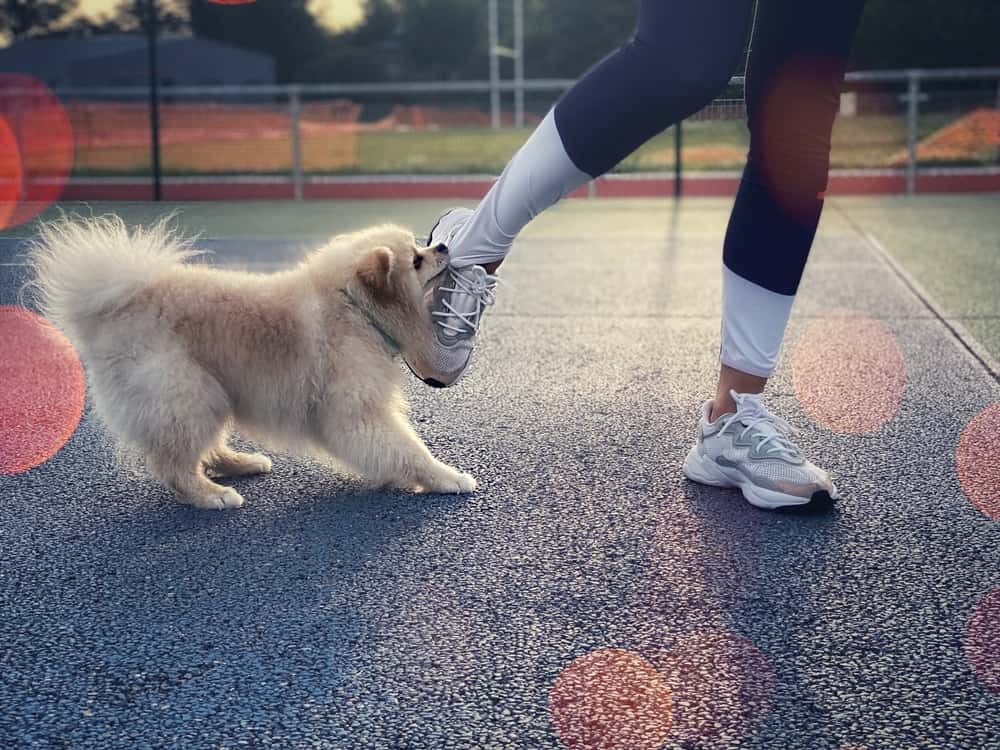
column 386, row 338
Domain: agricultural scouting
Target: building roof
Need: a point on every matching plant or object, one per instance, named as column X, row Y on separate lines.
column 40, row 56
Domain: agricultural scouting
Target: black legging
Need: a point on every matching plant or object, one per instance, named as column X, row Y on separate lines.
column 682, row 55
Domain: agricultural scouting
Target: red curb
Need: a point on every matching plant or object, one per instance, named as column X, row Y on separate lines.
column 106, row 191
column 958, row 183
column 244, row 191
column 861, row 184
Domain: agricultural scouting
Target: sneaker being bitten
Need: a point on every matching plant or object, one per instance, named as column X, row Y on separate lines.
column 457, row 299
column 750, row 449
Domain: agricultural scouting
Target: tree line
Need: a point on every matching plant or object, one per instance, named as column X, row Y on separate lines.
column 446, row 39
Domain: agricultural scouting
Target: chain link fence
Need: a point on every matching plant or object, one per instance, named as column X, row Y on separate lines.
column 896, row 121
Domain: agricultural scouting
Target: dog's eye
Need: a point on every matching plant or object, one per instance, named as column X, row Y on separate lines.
column 418, row 260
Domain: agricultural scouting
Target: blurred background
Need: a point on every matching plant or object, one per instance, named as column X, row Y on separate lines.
column 584, row 579
column 298, row 98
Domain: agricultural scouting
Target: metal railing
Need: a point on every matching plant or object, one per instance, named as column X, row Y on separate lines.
column 908, row 87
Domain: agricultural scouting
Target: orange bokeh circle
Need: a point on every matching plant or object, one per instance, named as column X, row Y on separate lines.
column 610, row 699
column 848, row 372
column 977, row 461
column 788, row 122
column 982, row 640
column 43, row 133
column 722, row 685
column 42, row 397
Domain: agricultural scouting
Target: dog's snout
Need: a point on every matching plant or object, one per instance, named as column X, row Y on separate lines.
column 441, row 249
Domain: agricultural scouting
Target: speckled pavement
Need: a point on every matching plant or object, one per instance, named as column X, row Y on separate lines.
column 586, row 595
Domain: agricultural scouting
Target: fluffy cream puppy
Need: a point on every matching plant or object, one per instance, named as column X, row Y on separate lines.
column 179, row 354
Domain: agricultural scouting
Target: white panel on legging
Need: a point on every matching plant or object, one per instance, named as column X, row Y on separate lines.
column 753, row 324
column 539, row 175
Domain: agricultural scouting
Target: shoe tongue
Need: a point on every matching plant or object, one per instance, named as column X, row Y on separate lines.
column 751, row 403
column 755, row 402
column 763, row 428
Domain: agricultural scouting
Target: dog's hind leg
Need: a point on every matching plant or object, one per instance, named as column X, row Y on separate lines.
column 223, row 461
column 387, row 451
column 192, row 487
column 185, row 412
column 178, row 464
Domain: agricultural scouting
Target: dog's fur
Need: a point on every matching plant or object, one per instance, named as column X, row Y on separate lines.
column 179, row 354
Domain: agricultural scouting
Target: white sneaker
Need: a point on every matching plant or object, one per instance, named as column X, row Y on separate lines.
column 457, row 299
column 750, row 449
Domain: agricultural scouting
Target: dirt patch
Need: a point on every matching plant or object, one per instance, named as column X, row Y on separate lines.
column 974, row 137
column 214, row 137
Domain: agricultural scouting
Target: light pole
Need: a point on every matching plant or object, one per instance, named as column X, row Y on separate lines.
column 519, row 63
column 494, row 42
column 516, row 53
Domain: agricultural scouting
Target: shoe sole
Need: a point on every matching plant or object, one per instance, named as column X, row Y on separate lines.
column 434, row 382
column 708, row 472
column 429, row 381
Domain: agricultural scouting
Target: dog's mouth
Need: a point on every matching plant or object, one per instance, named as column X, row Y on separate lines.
column 434, row 266
column 439, row 268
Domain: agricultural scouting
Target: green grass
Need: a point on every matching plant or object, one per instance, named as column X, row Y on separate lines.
column 871, row 141
column 454, row 150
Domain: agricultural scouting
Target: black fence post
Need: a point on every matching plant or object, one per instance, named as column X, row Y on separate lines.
column 677, row 159
column 152, row 23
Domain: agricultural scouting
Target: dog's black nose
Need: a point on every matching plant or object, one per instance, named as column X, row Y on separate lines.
column 441, row 249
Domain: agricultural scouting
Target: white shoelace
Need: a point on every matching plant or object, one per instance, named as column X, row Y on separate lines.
column 482, row 290
column 751, row 411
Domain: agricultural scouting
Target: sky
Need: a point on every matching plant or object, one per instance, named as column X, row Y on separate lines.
column 335, row 13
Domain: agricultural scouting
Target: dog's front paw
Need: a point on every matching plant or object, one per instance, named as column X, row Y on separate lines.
column 228, row 498
column 454, row 483
column 466, row 483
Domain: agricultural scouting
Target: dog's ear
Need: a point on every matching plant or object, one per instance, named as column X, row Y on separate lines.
column 375, row 268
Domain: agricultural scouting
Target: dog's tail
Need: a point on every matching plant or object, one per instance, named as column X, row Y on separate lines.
column 87, row 268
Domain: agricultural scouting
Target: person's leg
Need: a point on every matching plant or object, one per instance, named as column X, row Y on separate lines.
column 682, row 54
column 798, row 55
column 797, row 59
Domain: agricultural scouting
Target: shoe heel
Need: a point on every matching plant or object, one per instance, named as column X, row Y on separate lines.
column 703, row 472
